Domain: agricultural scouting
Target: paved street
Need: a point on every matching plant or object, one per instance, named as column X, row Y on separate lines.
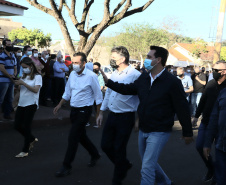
column 181, row 163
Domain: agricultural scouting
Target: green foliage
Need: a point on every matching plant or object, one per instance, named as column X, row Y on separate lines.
column 30, row 37
column 223, row 53
column 138, row 38
column 199, row 47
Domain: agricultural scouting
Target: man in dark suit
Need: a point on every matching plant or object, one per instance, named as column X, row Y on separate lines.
column 161, row 96
column 45, row 78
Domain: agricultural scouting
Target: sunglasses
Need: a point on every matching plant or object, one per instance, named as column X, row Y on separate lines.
column 217, row 70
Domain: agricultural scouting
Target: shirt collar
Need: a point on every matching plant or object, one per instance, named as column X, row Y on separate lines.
column 158, row 75
column 43, row 59
column 125, row 70
column 83, row 72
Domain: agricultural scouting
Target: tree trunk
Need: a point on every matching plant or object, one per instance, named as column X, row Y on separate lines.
column 82, row 43
column 66, row 35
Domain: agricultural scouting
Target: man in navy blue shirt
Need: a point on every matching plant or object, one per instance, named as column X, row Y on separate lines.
column 8, row 72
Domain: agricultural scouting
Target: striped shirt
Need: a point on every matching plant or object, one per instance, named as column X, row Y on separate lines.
column 9, row 63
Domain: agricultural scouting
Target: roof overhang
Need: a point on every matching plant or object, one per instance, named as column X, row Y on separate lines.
column 11, row 9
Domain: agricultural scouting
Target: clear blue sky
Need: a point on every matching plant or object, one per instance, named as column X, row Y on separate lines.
column 197, row 18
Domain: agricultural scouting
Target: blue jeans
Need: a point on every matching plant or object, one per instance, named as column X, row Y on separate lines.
column 195, row 98
column 220, row 168
column 150, row 147
column 199, row 146
column 6, row 97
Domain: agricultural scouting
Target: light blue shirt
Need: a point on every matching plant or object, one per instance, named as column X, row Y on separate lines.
column 101, row 80
column 186, row 82
column 58, row 72
column 83, row 89
column 119, row 103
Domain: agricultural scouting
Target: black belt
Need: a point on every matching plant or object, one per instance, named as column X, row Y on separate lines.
column 78, row 108
column 121, row 113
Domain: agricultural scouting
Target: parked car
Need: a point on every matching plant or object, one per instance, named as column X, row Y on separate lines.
column 107, row 70
column 67, row 60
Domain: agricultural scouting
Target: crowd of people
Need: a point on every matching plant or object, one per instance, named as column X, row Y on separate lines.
column 158, row 93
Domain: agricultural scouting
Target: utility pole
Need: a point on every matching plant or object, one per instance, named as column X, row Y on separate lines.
column 220, row 26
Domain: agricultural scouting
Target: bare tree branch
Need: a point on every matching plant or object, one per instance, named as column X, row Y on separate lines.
column 54, row 6
column 40, row 7
column 139, row 9
column 86, row 8
column 121, row 16
column 61, row 5
column 71, row 13
column 73, row 2
column 106, row 8
column 117, row 7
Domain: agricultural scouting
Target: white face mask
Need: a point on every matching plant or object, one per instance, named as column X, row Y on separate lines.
column 47, row 56
column 36, row 55
column 62, row 61
column 29, row 52
column 188, row 70
column 26, row 70
column 19, row 54
column 76, row 68
column 171, row 70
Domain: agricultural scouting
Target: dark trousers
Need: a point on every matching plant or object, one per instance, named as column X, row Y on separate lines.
column 44, row 90
column 220, row 167
column 79, row 117
column 200, row 144
column 23, row 120
column 116, row 133
column 58, row 89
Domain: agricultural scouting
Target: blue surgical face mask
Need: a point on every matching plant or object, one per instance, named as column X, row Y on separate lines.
column 26, row 70
column 29, row 52
column 147, row 64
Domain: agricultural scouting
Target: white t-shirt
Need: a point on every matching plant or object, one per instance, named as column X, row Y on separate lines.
column 28, row 97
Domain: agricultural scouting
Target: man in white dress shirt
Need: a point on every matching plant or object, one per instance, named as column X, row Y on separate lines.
column 82, row 89
column 121, row 118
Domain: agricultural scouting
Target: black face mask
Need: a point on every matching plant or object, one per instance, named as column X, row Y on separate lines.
column 113, row 64
column 96, row 71
column 216, row 75
column 181, row 75
column 9, row 48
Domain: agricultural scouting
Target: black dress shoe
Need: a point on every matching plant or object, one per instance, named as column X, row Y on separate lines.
column 93, row 161
column 209, row 176
column 63, row 172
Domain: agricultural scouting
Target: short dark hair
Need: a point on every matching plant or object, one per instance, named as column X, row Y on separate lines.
column 26, row 47
column 121, row 50
column 97, row 63
column 83, row 56
column 34, row 50
column 15, row 49
column 160, row 52
column 4, row 42
column 52, row 56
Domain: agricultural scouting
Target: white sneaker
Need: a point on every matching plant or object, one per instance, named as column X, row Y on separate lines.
column 96, row 126
column 87, row 124
column 22, row 154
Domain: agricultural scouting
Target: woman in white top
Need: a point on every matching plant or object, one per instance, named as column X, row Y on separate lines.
column 30, row 85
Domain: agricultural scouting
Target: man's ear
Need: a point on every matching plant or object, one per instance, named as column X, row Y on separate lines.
column 224, row 72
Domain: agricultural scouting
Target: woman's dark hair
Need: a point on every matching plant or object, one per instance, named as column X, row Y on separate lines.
column 28, row 61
